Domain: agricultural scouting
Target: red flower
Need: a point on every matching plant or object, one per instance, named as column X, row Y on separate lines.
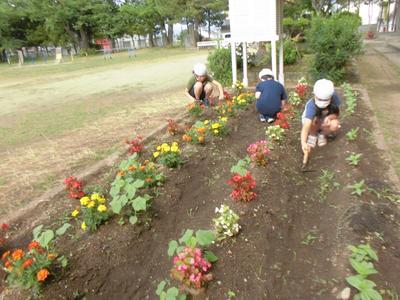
column 5, row 227
column 33, row 245
column 27, row 263
column 243, row 186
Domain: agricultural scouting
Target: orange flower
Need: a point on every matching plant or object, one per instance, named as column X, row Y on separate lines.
column 27, row 263
column 149, row 180
column 186, row 138
column 121, row 173
column 42, row 274
column 33, row 245
column 142, row 168
column 17, row 254
column 132, row 168
column 5, row 255
column 201, row 139
column 8, row 265
column 201, row 130
column 51, row 256
column 146, row 162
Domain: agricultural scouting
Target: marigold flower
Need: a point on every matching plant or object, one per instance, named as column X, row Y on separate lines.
column 33, row 245
column 102, row 208
column 224, row 119
column 142, row 168
column 159, row 148
column 101, row 200
column 91, row 204
column 121, row 173
column 51, row 256
column 83, row 226
column 5, row 255
column 156, row 154
column 216, row 131
column 174, row 148
column 42, row 274
column 215, row 126
column 75, row 213
column 206, row 122
column 132, row 168
column 8, row 265
column 149, row 180
column 27, row 263
column 95, row 196
column 84, row 200
column 17, row 254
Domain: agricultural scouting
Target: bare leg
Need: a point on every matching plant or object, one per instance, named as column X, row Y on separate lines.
column 330, row 125
column 198, row 89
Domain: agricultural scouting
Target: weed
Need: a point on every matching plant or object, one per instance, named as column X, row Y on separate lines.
column 358, row 188
column 386, row 193
column 352, row 134
column 353, row 159
column 309, row 239
column 231, row 294
column 326, row 184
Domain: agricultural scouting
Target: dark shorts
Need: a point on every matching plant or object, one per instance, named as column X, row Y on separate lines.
column 202, row 95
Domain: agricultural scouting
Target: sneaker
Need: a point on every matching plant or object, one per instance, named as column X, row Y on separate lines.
column 270, row 120
column 311, row 140
column 262, row 118
column 322, row 140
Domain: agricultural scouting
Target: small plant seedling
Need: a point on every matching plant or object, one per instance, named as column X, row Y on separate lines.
column 326, row 183
column 352, row 134
column 241, row 166
column 231, row 294
column 309, row 239
column 354, row 159
column 358, row 188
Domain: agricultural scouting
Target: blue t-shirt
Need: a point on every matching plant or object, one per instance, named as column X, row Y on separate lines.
column 272, row 93
column 311, row 109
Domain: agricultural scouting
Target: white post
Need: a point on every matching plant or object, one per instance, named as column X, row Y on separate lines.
column 281, row 74
column 273, row 57
column 245, row 80
column 233, row 58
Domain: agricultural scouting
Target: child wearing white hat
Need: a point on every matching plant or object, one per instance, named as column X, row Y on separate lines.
column 320, row 116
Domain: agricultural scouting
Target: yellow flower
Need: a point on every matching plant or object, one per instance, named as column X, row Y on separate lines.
column 224, row 119
column 75, row 213
column 164, row 145
column 156, row 154
column 174, row 144
column 206, row 122
column 166, row 148
column 216, row 131
column 174, row 148
column 158, row 148
column 102, row 208
column 91, row 204
column 215, row 126
column 95, row 196
column 83, row 226
column 85, row 200
column 101, row 199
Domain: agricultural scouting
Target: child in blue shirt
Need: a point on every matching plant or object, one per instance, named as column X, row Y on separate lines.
column 270, row 95
column 320, row 116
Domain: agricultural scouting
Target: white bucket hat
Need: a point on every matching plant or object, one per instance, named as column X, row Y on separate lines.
column 323, row 89
column 265, row 72
column 200, row 69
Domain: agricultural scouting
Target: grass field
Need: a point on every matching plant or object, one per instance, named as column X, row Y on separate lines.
column 55, row 119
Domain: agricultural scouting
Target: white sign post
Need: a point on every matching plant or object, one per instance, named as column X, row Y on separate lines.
column 255, row 21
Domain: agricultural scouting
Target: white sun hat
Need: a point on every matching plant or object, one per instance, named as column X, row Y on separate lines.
column 323, row 89
column 265, row 72
column 200, row 69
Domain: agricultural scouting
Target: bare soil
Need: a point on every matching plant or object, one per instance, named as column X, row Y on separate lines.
column 293, row 241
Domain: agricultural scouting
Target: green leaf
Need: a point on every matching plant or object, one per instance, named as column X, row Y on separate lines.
column 60, row 231
column 160, row 287
column 114, row 191
column 180, row 249
column 133, row 220
column 172, row 293
column 205, row 237
column 63, row 261
column 355, row 281
column 373, row 294
column 139, row 204
column 210, row 256
column 130, row 190
column 182, row 297
column 139, row 183
column 116, row 205
column 362, row 267
column 45, row 238
column 371, row 253
column 186, row 236
column 36, row 231
column 172, row 246
column 163, row 295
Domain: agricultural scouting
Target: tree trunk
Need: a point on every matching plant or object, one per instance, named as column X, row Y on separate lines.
column 151, row 40
column 73, row 35
column 170, row 33
column 196, row 30
column 84, row 39
column 191, row 38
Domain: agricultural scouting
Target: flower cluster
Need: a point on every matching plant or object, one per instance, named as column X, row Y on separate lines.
column 218, row 128
column 195, row 109
column 190, row 267
column 168, row 155
column 258, row 152
column 294, row 98
column 238, row 86
column 148, row 171
column 173, row 127
column 226, row 223
column 74, row 187
column 196, row 133
column 226, row 108
column 282, row 121
column 4, row 228
column 92, row 212
column 242, row 187
column 227, row 96
column 243, row 100
column 275, row 133
column 135, row 145
column 30, row 269
column 302, row 88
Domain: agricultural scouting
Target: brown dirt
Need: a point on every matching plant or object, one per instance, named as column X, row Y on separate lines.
column 271, row 258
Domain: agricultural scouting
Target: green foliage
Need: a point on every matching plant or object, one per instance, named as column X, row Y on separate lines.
column 219, row 66
column 294, row 27
column 361, row 259
column 334, row 40
column 291, row 53
column 351, row 99
column 171, row 293
column 275, row 133
column 352, row 134
column 241, row 166
column 326, row 183
column 192, row 239
column 358, row 188
column 353, row 159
